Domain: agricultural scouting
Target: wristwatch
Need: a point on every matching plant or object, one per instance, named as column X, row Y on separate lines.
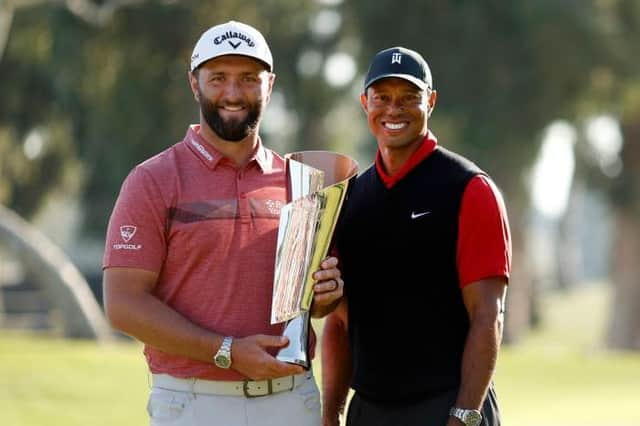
column 222, row 358
column 466, row 416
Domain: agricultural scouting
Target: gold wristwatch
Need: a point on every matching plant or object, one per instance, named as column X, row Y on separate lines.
column 222, row 358
column 466, row 416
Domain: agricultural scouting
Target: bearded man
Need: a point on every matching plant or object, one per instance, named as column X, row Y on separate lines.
column 190, row 249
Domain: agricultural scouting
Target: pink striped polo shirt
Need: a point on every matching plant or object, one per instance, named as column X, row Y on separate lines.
column 210, row 230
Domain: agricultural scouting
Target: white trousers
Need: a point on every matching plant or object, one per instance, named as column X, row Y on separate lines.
column 297, row 407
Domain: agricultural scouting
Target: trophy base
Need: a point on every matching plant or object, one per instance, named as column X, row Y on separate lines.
column 291, row 360
column 297, row 331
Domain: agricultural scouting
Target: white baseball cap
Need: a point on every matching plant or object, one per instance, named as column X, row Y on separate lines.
column 231, row 38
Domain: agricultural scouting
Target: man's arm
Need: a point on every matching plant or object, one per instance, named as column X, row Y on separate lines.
column 131, row 308
column 484, row 301
column 336, row 365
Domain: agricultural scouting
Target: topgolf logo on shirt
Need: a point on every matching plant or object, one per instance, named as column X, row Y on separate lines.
column 127, row 232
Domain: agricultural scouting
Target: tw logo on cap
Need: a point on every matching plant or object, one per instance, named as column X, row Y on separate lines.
column 396, row 58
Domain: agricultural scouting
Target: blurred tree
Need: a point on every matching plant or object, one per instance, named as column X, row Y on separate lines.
column 622, row 89
column 48, row 267
column 614, row 89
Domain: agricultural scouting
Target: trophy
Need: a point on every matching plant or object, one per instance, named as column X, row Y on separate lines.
column 317, row 184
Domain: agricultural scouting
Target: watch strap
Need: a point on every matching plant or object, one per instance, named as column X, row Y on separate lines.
column 222, row 358
column 226, row 344
column 467, row 416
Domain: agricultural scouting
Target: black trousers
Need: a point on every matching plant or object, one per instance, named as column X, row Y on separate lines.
column 429, row 412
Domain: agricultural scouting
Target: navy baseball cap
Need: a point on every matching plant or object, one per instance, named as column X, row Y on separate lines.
column 401, row 63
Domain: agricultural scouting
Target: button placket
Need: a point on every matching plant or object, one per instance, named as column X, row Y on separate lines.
column 243, row 201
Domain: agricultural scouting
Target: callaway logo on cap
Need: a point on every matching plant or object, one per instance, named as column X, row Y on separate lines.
column 231, row 38
column 401, row 63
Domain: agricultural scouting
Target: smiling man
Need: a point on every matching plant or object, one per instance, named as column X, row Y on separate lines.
column 417, row 339
column 190, row 253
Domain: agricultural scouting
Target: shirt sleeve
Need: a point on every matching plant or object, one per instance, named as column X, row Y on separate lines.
column 136, row 232
column 484, row 239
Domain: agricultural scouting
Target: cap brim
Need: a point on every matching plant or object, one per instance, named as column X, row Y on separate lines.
column 419, row 83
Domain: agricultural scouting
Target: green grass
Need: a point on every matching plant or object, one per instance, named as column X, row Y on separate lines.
column 558, row 376
column 562, row 376
column 48, row 381
column 537, row 387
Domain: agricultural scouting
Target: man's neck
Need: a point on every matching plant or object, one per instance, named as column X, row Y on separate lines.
column 238, row 152
column 394, row 158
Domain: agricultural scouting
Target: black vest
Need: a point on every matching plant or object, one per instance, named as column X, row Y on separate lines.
column 397, row 250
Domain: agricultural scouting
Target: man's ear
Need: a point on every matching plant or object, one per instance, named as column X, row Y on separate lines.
column 431, row 103
column 193, row 83
column 363, row 102
column 270, row 82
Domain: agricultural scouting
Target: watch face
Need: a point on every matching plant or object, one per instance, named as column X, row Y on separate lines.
column 472, row 418
column 222, row 361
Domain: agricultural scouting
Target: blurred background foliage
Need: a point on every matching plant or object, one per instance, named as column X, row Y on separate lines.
column 89, row 88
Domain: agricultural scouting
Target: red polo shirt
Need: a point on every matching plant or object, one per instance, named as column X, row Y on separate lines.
column 209, row 229
column 484, row 240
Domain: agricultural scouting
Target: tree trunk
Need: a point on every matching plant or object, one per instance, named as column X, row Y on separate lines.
column 624, row 326
column 521, row 310
column 65, row 286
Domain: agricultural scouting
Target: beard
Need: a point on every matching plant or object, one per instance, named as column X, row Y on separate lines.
column 232, row 130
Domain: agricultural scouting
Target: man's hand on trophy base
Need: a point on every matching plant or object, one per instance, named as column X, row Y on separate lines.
column 328, row 289
column 250, row 357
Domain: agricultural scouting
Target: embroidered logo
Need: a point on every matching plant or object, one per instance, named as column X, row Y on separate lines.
column 396, row 58
column 233, row 34
column 201, row 149
column 234, row 45
column 415, row 215
column 127, row 232
column 274, row 206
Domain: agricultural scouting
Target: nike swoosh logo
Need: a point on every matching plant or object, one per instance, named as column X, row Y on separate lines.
column 415, row 215
column 235, row 46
